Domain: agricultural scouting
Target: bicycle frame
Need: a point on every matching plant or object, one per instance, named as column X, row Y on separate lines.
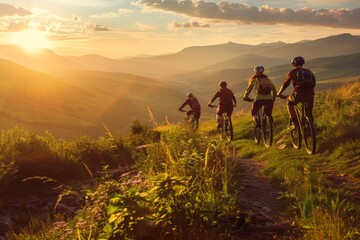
column 304, row 130
column 265, row 129
column 226, row 126
column 192, row 120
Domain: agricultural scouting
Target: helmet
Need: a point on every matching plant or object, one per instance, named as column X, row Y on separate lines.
column 189, row 94
column 259, row 69
column 298, row 61
column 222, row 84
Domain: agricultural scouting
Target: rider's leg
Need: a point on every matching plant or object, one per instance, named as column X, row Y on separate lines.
column 197, row 117
column 219, row 112
column 309, row 99
column 269, row 105
column 254, row 110
column 292, row 101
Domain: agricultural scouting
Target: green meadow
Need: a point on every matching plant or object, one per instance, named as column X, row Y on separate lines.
column 168, row 182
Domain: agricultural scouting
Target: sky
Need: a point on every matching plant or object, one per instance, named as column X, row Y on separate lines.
column 121, row 28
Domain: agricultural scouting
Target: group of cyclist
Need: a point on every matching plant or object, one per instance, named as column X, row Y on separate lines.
column 303, row 81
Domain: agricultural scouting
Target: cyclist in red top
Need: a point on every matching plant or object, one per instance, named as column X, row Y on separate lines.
column 194, row 105
column 227, row 101
column 304, row 82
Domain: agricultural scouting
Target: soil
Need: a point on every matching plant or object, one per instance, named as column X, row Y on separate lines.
column 261, row 200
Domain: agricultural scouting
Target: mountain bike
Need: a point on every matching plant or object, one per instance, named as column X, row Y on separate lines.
column 191, row 120
column 302, row 130
column 225, row 127
column 263, row 128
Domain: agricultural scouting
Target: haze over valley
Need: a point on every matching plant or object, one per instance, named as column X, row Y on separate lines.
column 74, row 95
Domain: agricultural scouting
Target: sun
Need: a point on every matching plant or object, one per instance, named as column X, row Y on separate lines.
column 31, row 40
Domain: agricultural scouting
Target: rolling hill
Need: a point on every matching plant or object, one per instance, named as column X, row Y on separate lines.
column 70, row 96
column 81, row 102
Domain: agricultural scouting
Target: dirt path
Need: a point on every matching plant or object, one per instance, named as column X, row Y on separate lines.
column 261, row 198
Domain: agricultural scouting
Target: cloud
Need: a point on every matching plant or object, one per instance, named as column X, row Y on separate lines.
column 10, row 10
column 193, row 24
column 118, row 13
column 247, row 14
column 13, row 26
column 97, row 28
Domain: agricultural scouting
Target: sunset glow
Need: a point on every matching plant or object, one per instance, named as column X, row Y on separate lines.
column 149, row 27
column 31, row 40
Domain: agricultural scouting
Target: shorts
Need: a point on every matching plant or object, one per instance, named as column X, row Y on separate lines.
column 303, row 97
column 197, row 114
column 225, row 108
column 257, row 105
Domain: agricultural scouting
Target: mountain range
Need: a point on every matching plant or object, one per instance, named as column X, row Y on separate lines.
column 74, row 95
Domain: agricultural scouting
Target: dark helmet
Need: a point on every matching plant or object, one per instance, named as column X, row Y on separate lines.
column 189, row 94
column 259, row 69
column 222, row 84
column 298, row 61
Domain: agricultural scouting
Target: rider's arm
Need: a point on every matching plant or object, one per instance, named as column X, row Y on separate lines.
column 217, row 94
column 286, row 83
column 273, row 91
column 234, row 100
column 184, row 104
column 249, row 88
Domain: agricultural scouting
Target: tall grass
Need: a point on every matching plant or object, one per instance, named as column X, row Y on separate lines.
column 323, row 209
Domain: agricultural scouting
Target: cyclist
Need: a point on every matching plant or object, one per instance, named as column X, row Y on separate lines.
column 194, row 105
column 304, row 82
column 226, row 104
column 264, row 96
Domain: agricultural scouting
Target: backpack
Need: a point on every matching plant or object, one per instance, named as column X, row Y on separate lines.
column 305, row 78
column 264, row 85
column 195, row 105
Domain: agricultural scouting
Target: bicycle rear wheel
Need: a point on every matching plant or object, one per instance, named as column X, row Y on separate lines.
column 309, row 136
column 194, row 124
column 267, row 129
column 228, row 129
column 257, row 134
column 295, row 135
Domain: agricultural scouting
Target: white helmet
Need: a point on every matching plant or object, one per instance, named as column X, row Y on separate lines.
column 259, row 69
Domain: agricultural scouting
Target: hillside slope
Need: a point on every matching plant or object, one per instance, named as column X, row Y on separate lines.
column 78, row 103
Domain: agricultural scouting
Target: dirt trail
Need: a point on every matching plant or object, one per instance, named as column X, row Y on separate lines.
column 259, row 197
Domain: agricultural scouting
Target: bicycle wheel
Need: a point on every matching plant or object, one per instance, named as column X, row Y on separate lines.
column 267, row 129
column 194, row 124
column 228, row 129
column 257, row 134
column 295, row 135
column 257, row 129
column 309, row 136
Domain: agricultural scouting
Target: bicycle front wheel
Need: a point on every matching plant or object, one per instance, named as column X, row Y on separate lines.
column 267, row 129
column 309, row 136
column 228, row 129
column 295, row 135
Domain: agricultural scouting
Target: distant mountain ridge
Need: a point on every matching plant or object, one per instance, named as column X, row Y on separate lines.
column 187, row 60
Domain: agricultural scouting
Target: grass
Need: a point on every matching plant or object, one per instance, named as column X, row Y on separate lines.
column 321, row 187
column 184, row 181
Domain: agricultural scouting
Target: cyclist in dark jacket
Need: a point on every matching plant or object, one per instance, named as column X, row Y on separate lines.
column 304, row 82
column 227, row 101
column 194, row 105
column 264, row 96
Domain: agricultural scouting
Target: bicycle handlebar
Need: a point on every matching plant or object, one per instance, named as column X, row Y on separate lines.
column 248, row 99
column 212, row 106
column 283, row 96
